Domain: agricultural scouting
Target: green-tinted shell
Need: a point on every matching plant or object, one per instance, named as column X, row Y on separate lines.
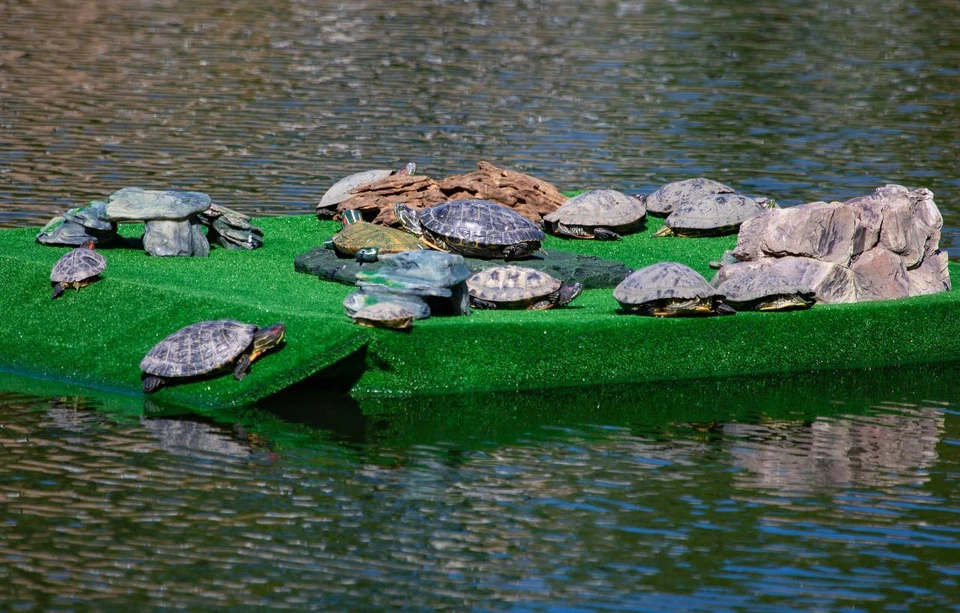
column 479, row 226
column 78, row 265
column 512, row 284
column 365, row 235
column 663, row 281
column 198, row 349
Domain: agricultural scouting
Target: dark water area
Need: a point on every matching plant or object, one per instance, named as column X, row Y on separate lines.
column 820, row 492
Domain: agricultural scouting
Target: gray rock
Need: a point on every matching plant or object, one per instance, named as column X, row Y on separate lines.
column 590, row 271
column 236, row 235
column 175, row 238
column 91, row 217
column 137, row 204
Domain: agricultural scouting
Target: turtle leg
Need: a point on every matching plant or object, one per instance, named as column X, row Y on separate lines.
column 543, row 305
column 57, row 291
column 152, row 384
column 605, row 234
column 483, row 304
column 242, row 368
column 664, row 231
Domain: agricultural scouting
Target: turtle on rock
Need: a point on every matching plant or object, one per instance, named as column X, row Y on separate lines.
column 208, row 348
column 365, row 241
column 477, row 228
column 341, row 190
column 518, row 287
column 77, row 268
column 669, row 289
column 602, row 214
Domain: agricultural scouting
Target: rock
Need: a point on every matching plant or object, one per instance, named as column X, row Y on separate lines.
column 231, row 229
column 427, row 274
column 171, row 219
column 590, row 271
column 78, row 226
column 175, row 238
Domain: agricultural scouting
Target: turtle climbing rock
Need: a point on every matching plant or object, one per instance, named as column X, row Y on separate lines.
column 518, row 287
column 366, row 241
column 669, row 289
column 478, row 228
column 208, row 348
column 341, row 190
column 77, row 268
column 602, row 214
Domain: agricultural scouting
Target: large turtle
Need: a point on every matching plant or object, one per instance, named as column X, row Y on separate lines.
column 602, row 214
column 366, row 241
column 77, row 268
column 763, row 289
column 663, row 201
column 711, row 215
column 341, row 190
column 206, row 348
column 518, row 287
column 478, row 228
column 669, row 289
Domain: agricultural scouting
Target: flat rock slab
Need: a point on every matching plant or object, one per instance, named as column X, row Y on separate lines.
column 591, row 271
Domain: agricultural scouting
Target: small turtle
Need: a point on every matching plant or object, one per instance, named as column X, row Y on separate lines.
column 602, row 214
column 478, row 228
column 77, row 268
column 385, row 315
column 663, row 201
column 207, row 348
column 366, row 241
column 517, row 287
column 340, row 191
column 765, row 290
column 669, row 289
column 712, row 215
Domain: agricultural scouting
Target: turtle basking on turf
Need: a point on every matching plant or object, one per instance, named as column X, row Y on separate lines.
column 517, row 287
column 663, row 201
column 478, row 228
column 341, row 190
column 208, row 348
column 77, row 268
column 712, row 215
column 669, row 289
column 602, row 214
column 763, row 289
column 385, row 315
column 366, row 241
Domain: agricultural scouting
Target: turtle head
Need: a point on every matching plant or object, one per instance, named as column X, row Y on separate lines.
column 568, row 292
column 90, row 244
column 409, row 169
column 408, row 218
column 265, row 339
column 367, row 255
column 350, row 216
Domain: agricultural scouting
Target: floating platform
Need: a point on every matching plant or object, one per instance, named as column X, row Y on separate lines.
column 97, row 336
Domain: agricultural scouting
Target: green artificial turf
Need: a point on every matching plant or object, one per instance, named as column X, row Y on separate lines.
column 97, row 336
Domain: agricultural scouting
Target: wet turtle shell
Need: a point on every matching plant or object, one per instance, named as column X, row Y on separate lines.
column 663, row 201
column 518, row 287
column 479, row 228
column 602, row 214
column 198, row 349
column 763, row 289
column 385, row 315
column 77, row 268
column 341, row 190
column 363, row 235
column 669, row 289
column 710, row 216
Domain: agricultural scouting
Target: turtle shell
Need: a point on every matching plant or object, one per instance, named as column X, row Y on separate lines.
column 363, row 234
column 78, row 265
column 670, row 196
column 602, row 207
column 760, row 283
column 478, row 226
column 340, row 191
column 663, row 281
column 713, row 214
column 512, row 284
column 384, row 315
column 198, row 349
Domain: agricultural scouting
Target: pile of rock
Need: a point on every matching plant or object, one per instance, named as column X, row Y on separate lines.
column 877, row 247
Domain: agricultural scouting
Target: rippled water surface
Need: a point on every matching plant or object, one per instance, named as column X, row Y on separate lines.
column 835, row 492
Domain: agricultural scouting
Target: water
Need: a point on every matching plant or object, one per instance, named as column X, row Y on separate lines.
column 833, row 492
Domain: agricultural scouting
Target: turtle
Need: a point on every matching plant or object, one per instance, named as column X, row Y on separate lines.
column 518, row 287
column 208, row 348
column 663, row 201
column 763, row 289
column 340, row 191
column 478, row 228
column 669, row 289
column 385, row 315
column 77, row 268
column 366, row 241
column 711, row 215
column 602, row 214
